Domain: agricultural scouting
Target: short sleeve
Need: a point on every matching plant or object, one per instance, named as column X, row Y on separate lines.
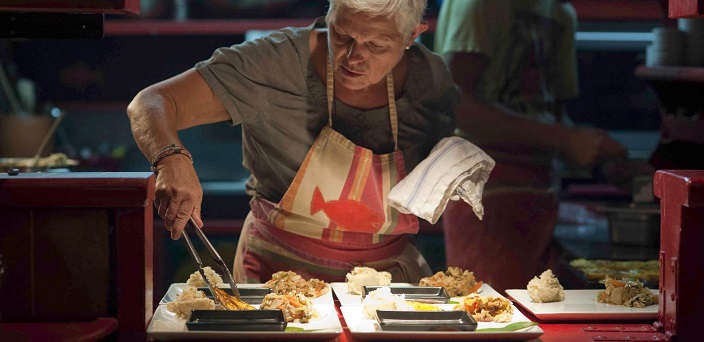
column 250, row 76
column 468, row 26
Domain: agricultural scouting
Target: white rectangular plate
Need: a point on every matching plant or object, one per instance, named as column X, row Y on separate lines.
column 177, row 288
column 581, row 305
column 364, row 328
column 346, row 298
column 165, row 326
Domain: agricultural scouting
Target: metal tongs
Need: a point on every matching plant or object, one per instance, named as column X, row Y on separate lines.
column 218, row 260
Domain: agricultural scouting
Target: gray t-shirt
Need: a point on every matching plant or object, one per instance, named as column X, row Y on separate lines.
column 270, row 87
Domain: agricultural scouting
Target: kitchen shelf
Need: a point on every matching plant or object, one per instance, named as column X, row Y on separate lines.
column 165, row 27
column 671, row 73
column 587, row 10
column 72, row 6
column 619, row 10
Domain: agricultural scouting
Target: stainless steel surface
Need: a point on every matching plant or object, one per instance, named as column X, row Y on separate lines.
column 635, row 224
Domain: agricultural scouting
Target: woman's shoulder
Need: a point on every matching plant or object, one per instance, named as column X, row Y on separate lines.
column 427, row 70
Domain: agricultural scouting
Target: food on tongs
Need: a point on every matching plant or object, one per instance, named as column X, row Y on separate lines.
column 486, row 308
column 546, row 289
column 285, row 282
column 365, row 276
column 455, row 281
column 196, row 280
column 230, row 302
column 626, row 293
column 188, row 300
column 227, row 301
column 295, row 306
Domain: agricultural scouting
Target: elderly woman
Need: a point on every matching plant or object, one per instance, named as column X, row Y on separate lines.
column 333, row 116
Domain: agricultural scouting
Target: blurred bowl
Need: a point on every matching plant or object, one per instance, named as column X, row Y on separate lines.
column 634, row 224
column 55, row 162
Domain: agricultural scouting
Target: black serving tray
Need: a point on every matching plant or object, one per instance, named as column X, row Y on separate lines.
column 457, row 320
column 244, row 320
column 424, row 294
column 250, row 295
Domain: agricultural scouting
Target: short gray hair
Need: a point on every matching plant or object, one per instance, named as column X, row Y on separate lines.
column 407, row 13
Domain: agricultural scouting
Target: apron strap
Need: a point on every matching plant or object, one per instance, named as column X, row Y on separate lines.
column 390, row 93
column 330, row 86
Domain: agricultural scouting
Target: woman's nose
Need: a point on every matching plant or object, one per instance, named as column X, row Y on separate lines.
column 355, row 52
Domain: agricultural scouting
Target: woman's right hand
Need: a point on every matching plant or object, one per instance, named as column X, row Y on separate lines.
column 178, row 193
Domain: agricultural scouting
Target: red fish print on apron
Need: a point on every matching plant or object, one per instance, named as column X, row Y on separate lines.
column 340, row 192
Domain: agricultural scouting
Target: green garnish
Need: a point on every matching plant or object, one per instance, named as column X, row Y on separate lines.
column 290, row 329
column 511, row 327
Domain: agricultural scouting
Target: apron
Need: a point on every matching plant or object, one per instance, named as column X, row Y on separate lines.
column 335, row 214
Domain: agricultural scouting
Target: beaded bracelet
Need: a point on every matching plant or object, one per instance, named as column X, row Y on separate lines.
column 170, row 151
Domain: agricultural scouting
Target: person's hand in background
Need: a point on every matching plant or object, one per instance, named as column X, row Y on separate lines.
column 589, row 147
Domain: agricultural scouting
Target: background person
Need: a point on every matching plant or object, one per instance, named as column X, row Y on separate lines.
column 515, row 63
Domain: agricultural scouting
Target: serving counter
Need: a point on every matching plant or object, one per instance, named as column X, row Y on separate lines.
column 77, row 252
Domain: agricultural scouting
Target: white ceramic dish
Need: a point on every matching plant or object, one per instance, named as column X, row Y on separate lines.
column 165, row 326
column 176, row 288
column 364, row 328
column 581, row 305
column 346, row 298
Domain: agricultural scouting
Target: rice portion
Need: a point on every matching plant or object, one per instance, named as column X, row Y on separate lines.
column 546, row 289
column 383, row 299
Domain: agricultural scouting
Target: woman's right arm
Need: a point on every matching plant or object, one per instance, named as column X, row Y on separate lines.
column 156, row 114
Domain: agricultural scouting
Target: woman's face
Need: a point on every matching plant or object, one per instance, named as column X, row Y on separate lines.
column 364, row 49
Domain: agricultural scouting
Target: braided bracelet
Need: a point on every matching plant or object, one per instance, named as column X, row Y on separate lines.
column 170, row 151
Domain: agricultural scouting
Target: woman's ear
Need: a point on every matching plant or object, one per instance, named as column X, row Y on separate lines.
column 420, row 28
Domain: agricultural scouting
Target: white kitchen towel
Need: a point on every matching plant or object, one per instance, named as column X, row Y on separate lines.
column 455, row 169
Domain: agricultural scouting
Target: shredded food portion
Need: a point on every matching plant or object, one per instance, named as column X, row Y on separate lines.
column 546, row 289
column 190, row 299
column 486, row 308
column 456, row 281
column 196, row 280
column 284, row 282
column 365, row 276
column 296, row 307
column 627, row 293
